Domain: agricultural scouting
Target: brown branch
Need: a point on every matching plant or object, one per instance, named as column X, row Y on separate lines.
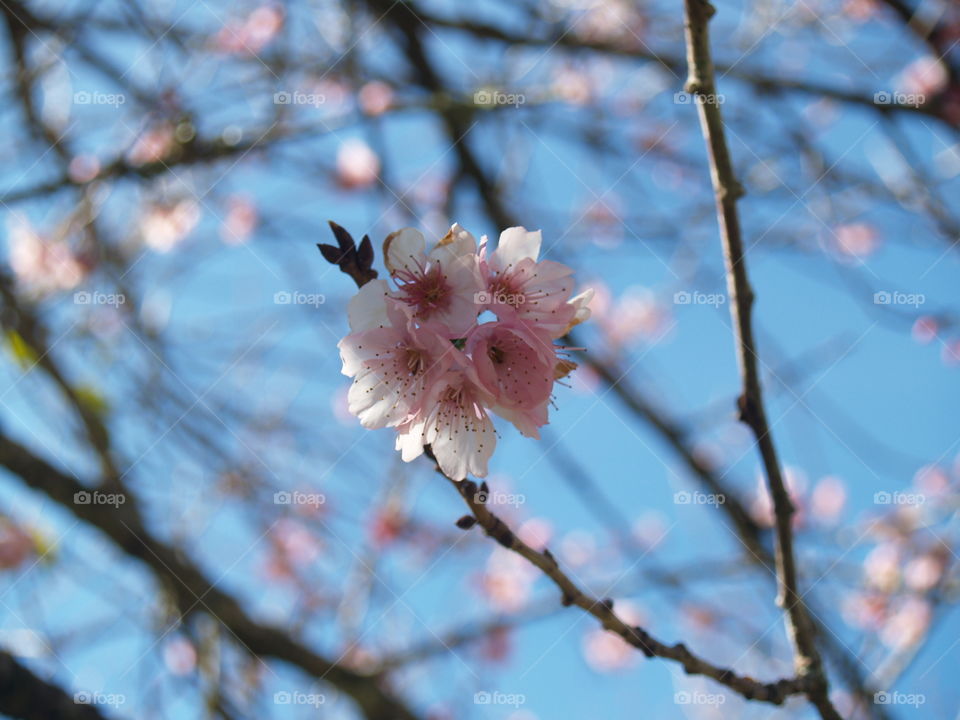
column 25, row 696
column 602, row 609
column 191, row 589
column 702, row 85
column 761, row 82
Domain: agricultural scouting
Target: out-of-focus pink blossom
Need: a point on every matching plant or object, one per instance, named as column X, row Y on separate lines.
column 828, row 499
column 536, row 532
column 859, row 10
column 358, row 166
column 497, row 644
column 152, row 145
column 387, row 525
column 606, row 652
column 507, row 581
column 925, row 329
column 882, row 567
column 612, row 20
column 762, row 508
column 251, row 34
column 293, row 546
column 856, row 240
column 573, row 86
column 951, row 353
column 931, row 480
column 925, row 76
column 240, row 221
column 375, row 98
column 83, row 168
column 16, row 545
column 164, row 226
column 577, row 548
column 179, row 655
column 908, row 624
column 42, row 265
column 636, row 317
column 923, row 572
column 649, row 529
column 865, row 610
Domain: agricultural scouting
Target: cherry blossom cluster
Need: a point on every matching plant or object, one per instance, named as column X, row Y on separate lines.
column 427, row 362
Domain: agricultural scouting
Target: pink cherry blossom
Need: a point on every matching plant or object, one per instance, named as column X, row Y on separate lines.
column 523, row 289
column 422, row 364
column 393, row 368
column 440, row 286
column 515, row 365
column 455, row 423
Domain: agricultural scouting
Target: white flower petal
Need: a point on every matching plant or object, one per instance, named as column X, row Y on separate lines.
column 404, row 250
column 515, row 244
column 368, row 308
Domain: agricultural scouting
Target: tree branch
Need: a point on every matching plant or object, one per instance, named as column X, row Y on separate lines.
column 702, row 85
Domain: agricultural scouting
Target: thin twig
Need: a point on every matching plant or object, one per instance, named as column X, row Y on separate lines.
column 727, row 190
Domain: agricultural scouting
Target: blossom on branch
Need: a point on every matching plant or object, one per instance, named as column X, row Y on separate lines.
column 424, row 363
